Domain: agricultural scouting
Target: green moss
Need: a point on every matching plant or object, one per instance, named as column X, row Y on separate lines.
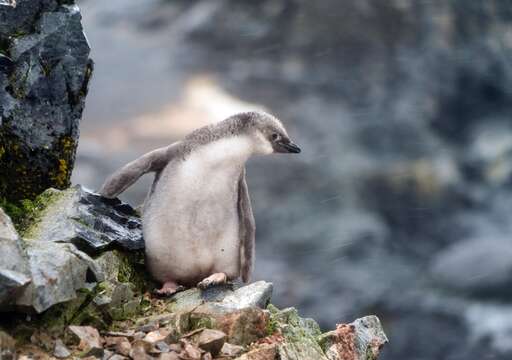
column 34, row 210
column 132, row 270
column 201, row 322
column 272, row 324
column 27, row 173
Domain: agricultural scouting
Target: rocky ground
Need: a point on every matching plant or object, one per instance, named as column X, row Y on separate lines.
column 76, row 286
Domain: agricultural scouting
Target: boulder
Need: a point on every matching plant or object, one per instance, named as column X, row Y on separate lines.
column 85, row 219
column 57, row 271
column 44, row 74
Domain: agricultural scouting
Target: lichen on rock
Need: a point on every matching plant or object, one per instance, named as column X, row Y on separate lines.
column 44, row 74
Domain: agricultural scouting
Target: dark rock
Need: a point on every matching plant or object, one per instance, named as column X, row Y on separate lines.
column 87, row 220
column 14, row 271
column 44, row 74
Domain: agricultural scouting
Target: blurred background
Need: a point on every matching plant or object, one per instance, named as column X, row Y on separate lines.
column 399, row 205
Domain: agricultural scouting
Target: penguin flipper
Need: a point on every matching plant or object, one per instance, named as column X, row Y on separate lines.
column 154, row 160
column 247, row 229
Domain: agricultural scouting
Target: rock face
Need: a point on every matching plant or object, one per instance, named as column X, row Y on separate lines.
column 44, row 73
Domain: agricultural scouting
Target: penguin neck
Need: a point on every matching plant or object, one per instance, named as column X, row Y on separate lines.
column 225, row 153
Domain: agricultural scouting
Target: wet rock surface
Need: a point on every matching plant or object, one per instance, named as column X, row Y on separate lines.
column 44, row 74
column 87, row 220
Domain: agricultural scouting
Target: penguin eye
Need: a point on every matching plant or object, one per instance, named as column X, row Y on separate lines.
column 275, row 136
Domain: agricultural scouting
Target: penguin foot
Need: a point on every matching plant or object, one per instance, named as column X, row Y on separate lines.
column 214, row 279
column 168, row 289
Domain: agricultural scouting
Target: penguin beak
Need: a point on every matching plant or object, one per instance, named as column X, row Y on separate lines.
column 290, row 147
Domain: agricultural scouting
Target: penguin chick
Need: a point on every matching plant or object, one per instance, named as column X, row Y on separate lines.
column 197, row 220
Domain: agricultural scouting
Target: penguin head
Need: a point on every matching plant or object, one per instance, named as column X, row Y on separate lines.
column 270, row 135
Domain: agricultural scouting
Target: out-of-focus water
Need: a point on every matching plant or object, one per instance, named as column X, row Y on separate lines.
column 399, row 204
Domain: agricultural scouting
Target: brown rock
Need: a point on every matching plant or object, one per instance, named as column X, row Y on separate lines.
column 169, row 356
column 231, row 350
column 211, row 340
column 361, row 339
column 89, row 337
column 123, row 347
column 242, row 327
column 262, row 352
column 191, row 351
column 157, row 335
column 117, row 357
column 175, row 347
column 120, row 344
column 140, row 350
column 7, row 346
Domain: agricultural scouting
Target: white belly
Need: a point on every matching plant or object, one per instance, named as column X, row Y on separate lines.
column 191, row 222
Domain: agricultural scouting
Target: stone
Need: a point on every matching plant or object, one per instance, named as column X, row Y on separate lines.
column 140, row 350
column 57, row 272
column 231, row 350
column 14, row 271
column 157, row 335
column 87, row 220
column 61, row 351
column 169, row 356
column 162, row 346
column 46, row 78
column 360, row 340
column 241, row 327
column 120, row 344
column 7, row 346
column 293, row 336
column 211, row 341
column 256, row 294
column 89, row 337
column 192, row 352
column 117, row 357
column 263, row 352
